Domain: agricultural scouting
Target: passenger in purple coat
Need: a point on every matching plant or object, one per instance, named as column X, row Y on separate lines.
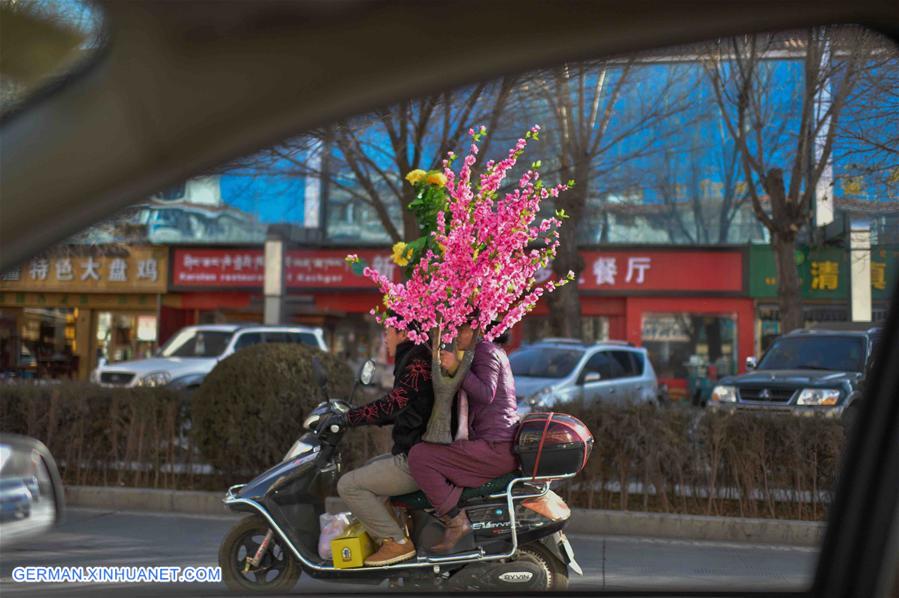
column 484, row 438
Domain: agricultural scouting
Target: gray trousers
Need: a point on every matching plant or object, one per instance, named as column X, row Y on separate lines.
column 366, row 492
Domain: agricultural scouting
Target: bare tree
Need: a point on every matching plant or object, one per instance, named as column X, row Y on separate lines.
column 702, row 188
column 868, row 136
column 366, row 158
column 785, row 136
column 598, row 114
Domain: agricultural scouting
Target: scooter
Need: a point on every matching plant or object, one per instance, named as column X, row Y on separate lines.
column 515, row 545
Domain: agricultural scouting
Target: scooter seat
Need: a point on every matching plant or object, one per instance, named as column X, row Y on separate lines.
column 418, row 500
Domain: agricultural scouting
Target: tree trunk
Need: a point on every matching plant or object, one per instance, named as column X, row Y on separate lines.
column 439, row 429
column 789, row 296
column 565, row 302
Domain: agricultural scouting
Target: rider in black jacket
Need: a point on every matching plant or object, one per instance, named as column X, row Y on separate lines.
column 408, row 407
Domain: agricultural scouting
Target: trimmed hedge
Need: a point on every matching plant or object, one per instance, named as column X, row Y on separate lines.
column 686, row 460
column 105, row 436
column 677, row 460
column 251, row 407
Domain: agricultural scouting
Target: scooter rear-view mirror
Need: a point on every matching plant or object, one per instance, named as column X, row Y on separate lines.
column 367, row 372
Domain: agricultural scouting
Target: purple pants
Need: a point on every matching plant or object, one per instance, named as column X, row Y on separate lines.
column 442, row 471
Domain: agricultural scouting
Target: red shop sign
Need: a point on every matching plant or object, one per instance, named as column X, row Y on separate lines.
column 245, row 268
column 688, row 271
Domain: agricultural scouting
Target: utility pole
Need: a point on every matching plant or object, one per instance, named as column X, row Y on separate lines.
column 273, row 284
column 860, row 269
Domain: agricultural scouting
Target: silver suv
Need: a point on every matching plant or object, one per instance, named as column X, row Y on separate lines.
column 558, row 370
column 186, row 359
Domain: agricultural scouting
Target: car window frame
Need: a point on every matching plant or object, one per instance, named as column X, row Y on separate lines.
column 836, row 575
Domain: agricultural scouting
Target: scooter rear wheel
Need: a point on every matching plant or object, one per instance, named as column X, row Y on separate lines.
column 278, row 570
column 555, row 573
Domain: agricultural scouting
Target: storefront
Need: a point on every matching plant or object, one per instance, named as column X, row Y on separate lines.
column 825, row 286
column 216, row 285
column 61, row 313
column 688, row 307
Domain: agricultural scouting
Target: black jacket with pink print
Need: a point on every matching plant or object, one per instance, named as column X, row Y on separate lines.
column 408, row 405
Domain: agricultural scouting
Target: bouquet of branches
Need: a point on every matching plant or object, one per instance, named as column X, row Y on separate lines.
column 475, row 262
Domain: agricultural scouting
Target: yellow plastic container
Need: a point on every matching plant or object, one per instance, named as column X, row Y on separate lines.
column 351, row 548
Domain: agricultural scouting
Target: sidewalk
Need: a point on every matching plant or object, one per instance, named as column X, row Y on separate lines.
column 583, row 521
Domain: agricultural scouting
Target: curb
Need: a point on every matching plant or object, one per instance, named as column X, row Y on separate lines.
column 146, row 499
column 697, row 527
column 583, row 521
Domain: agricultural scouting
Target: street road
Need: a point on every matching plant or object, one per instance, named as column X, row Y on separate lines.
column 99, row 537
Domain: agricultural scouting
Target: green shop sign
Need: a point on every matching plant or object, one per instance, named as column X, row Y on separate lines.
column 823, row 273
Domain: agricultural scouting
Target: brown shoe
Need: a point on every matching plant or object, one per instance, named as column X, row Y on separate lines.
column 391, row 552
column 456, row 529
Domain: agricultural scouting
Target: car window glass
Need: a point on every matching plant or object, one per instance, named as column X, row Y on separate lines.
column 544, row 362
column 247, row 339
column 639, row 363
column 816, row 353
column 624, row 362
column 197, row 343
column 277, row 337
column 303, row 338
column 603, row 364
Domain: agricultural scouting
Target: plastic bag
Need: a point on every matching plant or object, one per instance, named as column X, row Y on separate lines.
column 331, row 527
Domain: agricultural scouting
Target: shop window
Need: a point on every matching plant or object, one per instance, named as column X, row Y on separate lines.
column 691, row 345
column 46, row 346
column 123, row 336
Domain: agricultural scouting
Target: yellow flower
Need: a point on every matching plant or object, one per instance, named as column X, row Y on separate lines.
column 415, row 176
column 437, row 178
column 399, row 254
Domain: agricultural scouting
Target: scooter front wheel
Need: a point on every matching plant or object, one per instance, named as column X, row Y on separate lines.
column 278, row 570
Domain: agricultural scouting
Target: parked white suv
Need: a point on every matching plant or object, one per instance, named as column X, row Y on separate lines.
column 186, row 359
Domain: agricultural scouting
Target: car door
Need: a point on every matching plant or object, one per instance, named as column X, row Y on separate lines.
column 598, row 378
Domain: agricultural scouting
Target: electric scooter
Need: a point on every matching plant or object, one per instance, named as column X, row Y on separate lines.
column 517, row 542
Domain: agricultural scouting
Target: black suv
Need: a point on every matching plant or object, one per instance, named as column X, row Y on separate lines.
column 804, row 372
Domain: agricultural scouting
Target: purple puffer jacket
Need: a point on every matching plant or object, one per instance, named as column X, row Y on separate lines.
column 492, row 410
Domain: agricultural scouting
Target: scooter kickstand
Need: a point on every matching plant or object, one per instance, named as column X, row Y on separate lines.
column 260, row 552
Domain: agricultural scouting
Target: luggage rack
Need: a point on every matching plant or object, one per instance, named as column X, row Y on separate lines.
column 424, row 560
